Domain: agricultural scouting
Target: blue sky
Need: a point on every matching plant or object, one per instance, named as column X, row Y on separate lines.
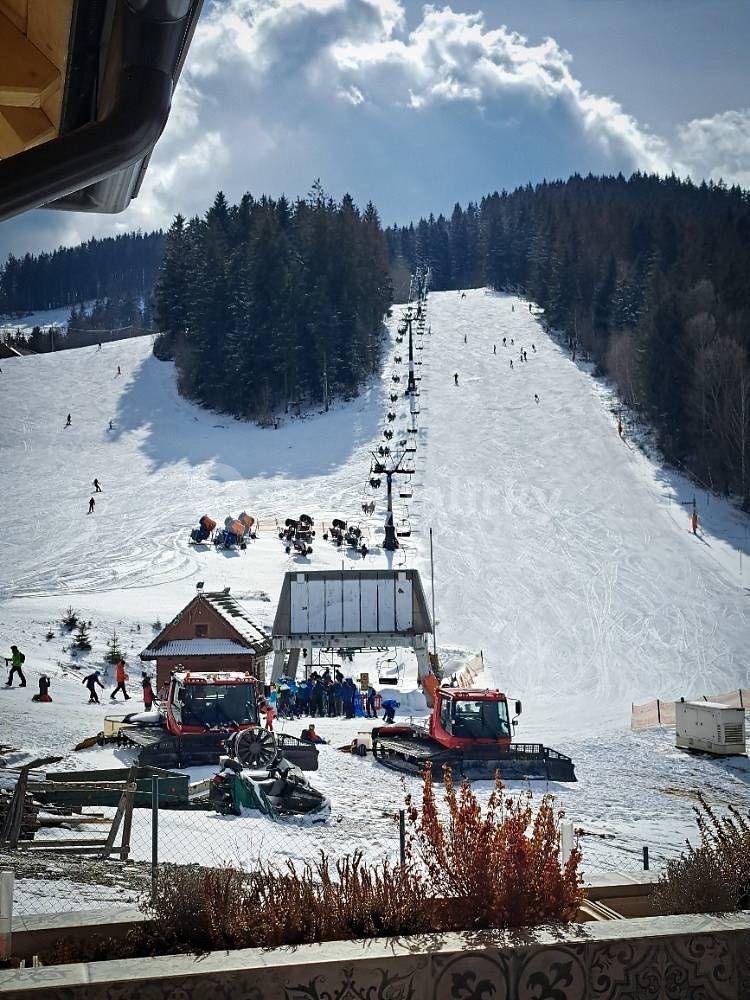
column 418, row 106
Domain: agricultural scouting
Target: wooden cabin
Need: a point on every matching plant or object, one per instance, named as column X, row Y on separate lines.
column 212, row 633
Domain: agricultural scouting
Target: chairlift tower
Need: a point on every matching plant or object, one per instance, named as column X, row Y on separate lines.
column 411, row 386
column 393, row 468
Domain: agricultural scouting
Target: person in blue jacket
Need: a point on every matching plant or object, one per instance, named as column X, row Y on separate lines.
column 389, row 711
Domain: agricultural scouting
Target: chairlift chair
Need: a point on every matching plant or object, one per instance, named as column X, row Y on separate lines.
column 388, row 669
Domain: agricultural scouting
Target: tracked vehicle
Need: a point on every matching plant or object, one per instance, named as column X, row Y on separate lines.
column 201, row 713
column 469, row 731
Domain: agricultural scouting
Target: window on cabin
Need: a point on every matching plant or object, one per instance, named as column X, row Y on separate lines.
column 201, row 631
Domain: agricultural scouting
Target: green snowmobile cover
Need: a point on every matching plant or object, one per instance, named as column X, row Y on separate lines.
column 247, row 795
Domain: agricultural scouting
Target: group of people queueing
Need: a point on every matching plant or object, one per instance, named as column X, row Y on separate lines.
column 321, row 695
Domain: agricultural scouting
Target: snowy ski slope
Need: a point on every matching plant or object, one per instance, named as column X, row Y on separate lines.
column 561, row 551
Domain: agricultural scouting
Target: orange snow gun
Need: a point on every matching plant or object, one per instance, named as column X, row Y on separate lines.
column 207, row 523
column 247, row 520
column 237, row 528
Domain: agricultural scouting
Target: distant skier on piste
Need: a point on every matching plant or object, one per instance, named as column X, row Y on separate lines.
column 455, row 378
column 92, row 504
column 694, row 522
column 97, row 487
column 494, row 348
column 67, row 422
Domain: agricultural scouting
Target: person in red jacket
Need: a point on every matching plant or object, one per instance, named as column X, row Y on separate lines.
column 270, row 713
column 120, row 677
column 148, row 693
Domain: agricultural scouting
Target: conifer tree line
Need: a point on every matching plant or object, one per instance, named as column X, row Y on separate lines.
column 116, row 318
column 98, row 269
column 650, row 275
column 266, row 305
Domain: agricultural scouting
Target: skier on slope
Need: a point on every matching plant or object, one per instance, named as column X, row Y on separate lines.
column 455, row 378
column 67, row 422
column 118, row 370
column 694, row 522
column 16, row 662
column 97, row 487
column 91, row 681
column 511, row 362
column 494, row 348
column 465, row 339
column 92, row 504
column 504, row 341
column 536, row 399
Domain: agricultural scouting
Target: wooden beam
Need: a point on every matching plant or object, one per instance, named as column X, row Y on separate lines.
column 16, row 11
column 49, row 28
column 21, row 128
column 26, row 76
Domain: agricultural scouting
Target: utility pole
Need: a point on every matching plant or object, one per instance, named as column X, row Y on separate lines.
column 432, row 588
column 390, row 542
column 411, row 388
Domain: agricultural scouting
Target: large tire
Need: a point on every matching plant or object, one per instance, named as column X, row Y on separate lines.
column 255, row 748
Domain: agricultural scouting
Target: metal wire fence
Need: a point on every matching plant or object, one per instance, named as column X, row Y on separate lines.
column 109, row 856
column 90, row 861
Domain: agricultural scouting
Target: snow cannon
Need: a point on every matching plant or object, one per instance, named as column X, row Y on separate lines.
column 247, row 522
column 203, row 532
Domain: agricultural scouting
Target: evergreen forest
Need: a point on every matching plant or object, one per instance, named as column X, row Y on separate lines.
column 650, row 276
column 268, row 306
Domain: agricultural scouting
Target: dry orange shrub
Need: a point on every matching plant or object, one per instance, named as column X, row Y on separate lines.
column 499, row 866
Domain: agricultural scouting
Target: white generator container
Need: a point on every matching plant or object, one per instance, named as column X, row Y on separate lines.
column 710, row 727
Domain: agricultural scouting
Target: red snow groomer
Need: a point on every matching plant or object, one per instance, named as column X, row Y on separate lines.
column 202, row 713
column 469, row 731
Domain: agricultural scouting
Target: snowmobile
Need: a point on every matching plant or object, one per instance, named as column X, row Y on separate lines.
column 283, row 792
column 200, row 715
column 469, row 731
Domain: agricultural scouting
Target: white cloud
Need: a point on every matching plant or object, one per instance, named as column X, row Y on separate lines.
column 718, row 147
column 277, row 92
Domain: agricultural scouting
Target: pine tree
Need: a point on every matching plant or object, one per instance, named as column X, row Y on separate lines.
column 114, row 653
column 81, row 640
column 70, row 619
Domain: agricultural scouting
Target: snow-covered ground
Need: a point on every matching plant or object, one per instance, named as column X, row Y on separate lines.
column 560, row 551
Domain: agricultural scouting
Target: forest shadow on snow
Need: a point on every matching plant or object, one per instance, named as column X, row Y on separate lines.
column 175, row 430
